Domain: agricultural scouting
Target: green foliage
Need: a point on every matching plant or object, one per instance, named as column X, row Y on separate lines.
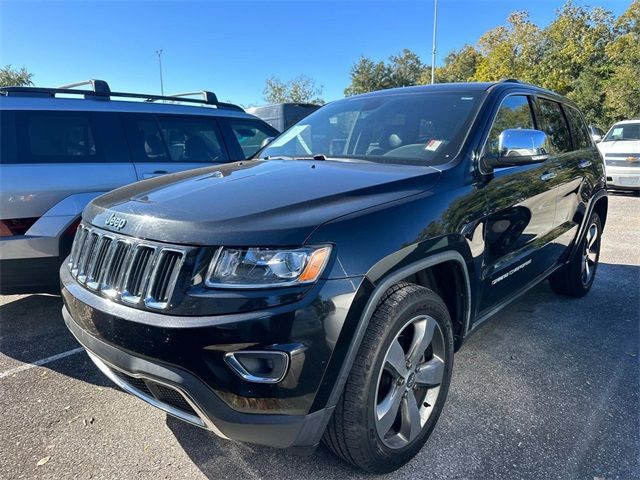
column 401, row 70
column 301, row 89
column 510, row 51
column 459, row 66
column 15, row 77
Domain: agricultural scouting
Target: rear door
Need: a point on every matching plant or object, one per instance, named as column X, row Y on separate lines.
column 162, row 144
column 59, row 161
column 578, row 173
column 521, row 204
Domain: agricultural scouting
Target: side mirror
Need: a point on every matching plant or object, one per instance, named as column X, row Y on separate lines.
column 596, row 138
column 266, row 141
column 520, row 146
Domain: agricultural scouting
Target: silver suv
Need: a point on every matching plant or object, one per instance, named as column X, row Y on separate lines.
column 58, row 152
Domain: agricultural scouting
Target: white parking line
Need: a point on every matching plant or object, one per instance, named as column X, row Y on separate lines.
column 43, row 361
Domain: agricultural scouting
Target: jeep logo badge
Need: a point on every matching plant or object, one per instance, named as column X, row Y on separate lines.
column 115, row 222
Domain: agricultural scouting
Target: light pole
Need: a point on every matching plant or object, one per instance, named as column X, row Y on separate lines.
column 433, row 51
column 159, row 52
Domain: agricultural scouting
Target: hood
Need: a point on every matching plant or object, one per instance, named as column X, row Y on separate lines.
column 619, row 147
column 252, row 203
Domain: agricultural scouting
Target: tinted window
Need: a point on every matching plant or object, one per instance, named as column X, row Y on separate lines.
column 555, row 126
column 145, row 139
column 174, row 139
column 57, row 137
column 250, row 135
column 581, row 136
column 192, row 139
column 7, row 138
column 514, row 113
column 400, row 128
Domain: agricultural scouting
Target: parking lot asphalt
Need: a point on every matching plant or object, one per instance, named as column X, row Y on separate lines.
column 548, row 388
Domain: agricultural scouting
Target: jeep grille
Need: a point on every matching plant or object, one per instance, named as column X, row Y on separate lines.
column 126, row 269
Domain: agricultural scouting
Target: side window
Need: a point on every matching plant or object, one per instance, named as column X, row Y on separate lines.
column 555, row 126
column 192, row 139
column 145, row 140
column 56, row 137
column 250, row 135
column 579, row 130
column 514, row 112
column 7, row 137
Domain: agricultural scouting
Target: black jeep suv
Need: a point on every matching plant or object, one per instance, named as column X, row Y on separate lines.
column 319, row 290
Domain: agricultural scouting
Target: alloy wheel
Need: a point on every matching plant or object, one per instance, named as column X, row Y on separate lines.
column 409, row 381
column 590, row 254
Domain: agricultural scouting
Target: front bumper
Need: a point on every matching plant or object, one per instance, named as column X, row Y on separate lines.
column 623, row 178
column 176, row 363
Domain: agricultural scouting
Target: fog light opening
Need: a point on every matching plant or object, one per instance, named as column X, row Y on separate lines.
column 260, row 366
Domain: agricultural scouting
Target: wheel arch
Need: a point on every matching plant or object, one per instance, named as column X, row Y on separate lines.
column 440, row 259
column 601, row 207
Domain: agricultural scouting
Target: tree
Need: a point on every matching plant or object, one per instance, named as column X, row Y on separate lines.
column 367, row 76
column 405, row 69
column 575, row 41
column 301, row 89
column 459, row 66
column 401, row 70
column 15, row 77
column 622, row 87
column 511, row 51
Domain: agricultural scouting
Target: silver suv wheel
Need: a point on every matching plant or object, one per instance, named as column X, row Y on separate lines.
column 409, row 382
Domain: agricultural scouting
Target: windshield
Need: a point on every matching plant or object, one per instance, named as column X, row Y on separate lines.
column 624, row 131
column 404, row 128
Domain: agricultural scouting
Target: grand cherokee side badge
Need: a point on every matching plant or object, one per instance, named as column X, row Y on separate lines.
column 115, row 222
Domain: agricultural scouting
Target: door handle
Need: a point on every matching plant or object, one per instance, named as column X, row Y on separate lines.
column 584, row 163
column 160, row 172
column 546, row 176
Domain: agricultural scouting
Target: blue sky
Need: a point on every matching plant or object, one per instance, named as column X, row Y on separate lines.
column 231, row 47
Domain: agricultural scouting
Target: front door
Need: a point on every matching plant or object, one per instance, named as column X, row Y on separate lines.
column 169, row 143
column 521, row 204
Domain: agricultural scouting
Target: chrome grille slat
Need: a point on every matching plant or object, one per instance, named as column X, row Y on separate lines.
column 76, row 250
column 96, row 271
column 124, row 269
column 112, row 280
column 164, row 278
column 86, row 255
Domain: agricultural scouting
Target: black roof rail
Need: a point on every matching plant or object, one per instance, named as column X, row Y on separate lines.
column 100, row 90
column 509, row 80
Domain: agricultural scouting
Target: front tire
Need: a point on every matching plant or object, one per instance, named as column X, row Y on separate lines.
column 398, row 384
column 576, row 278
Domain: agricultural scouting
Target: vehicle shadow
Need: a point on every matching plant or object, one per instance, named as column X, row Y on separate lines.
column 506, row 346
column 218, row 458
column 32, row 329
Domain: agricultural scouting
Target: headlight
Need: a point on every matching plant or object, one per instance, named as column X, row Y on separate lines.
column 266, row 267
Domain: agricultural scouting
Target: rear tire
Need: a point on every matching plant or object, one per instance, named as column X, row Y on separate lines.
column 404, row 363
column 576, row 278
